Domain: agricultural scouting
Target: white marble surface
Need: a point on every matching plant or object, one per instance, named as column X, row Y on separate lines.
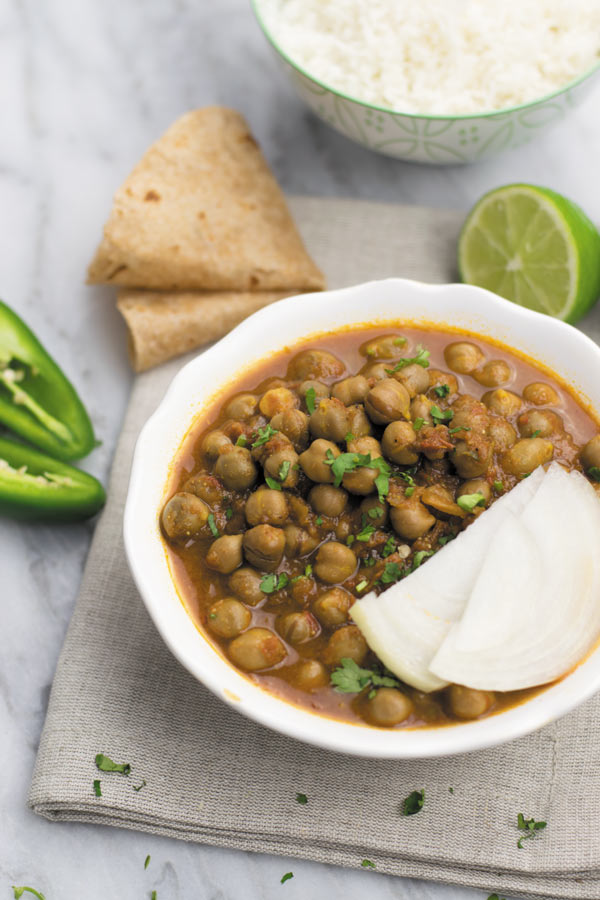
column 84, row 87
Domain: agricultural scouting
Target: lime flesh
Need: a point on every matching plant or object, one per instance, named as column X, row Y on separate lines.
column 534, row 247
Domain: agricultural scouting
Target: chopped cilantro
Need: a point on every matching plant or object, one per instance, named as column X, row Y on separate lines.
column 468, row 502
column 399, row 341
column 407, row 477
column 147, row 861
column 594, row 473
column 451, row 790
column 19, row 891
column 409, row 492
column 413, row 803
column 442, row 390
column 441, row 417
column 284, row 468
column 391, row 573
column 388, row 547
column 367, row 864
column 241, row 441
column 310, row 399
column 536, row 433
column 498, row 486
column 350, row 540
column 361, row 585
column 446, row 539
column 349, row 437
column 228, row 513
column 458, row 428
column 369, row 562
column 421, row 359
column 287, row 877
column 530, row 828
column 348, row 462
column 97, row 790
column 153, row 895
column 273, row 582
column 350, row 678
column 213, row 525
column 272, row 483
column 308, row 571
column 494, row 897
column 418, row 558
column 138, row 787
column 418, row 423
column 302, row 799
column 319, row 520
column 365, row 533
column 375, row 512
column 105, row 764
column 263, row 435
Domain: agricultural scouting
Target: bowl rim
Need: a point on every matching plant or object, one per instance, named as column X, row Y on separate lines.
column 488, row 114
column 143, row 540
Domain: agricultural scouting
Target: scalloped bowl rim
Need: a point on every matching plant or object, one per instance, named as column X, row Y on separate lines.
column 484, row 114
column 286, row 322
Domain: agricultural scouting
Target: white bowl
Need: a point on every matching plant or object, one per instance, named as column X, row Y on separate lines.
column 561, row 347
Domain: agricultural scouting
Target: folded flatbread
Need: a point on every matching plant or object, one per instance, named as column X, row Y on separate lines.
column 202, row 211
column 165, row 325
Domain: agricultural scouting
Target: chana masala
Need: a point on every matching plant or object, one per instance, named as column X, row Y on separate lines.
column 336, row 468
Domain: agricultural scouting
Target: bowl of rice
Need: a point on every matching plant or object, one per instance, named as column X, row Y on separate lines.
column 437, row 81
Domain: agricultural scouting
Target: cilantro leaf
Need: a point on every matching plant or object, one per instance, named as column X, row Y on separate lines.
column 319, row 520
column 442, row 390
column 418, row 423
column 594, row 473
column 388, row 547
column 287, row 877
column 273, row 582
column 361, row 585
column 498, row 486
column 418, row 558
column 19, row 891
column 97, row 789
column 284, row 469
column 458, row 428
column 530, row 828
column 367, row 864
column 105, row 764
column 213, row 525
column 413, row 804
column 241, row 441
column 494, row 897
column 350, row 678
column 391, row 573
column 263, row 435
column 365, row 533
column 421, row 359
column 349, row 462
column 536, row 433
column 137, row 787
column 349, row 437
column 302, row 799
column 147, row 861
column 441, row 417
column 468, row 502
column 375, row 512
column 272, row 483
column 310, row 399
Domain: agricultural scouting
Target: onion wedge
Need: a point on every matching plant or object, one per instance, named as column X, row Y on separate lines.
column 406, row 625
column 534, row 611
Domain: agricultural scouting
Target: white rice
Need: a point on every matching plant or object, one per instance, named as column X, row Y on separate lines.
column 439, row 56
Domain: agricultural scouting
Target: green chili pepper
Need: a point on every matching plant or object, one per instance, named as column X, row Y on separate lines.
column 35, row 486
column 37, row 401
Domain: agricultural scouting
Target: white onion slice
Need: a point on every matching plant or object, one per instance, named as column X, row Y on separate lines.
column 534, row 611
column 406, row 624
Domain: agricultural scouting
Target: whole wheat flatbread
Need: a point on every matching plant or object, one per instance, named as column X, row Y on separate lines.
column 202, row 211
column 165, row 325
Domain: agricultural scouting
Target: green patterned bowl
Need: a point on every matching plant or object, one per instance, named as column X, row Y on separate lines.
column 438, row 140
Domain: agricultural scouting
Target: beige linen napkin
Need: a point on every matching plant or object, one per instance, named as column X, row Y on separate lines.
column 215, row 777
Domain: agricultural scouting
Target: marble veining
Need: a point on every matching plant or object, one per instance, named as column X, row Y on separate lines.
column 84, row 88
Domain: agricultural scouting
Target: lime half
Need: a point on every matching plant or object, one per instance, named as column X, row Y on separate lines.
column 534, row 247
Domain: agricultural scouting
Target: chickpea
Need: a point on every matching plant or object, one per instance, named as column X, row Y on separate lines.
column 205, row 486
column 241, row 407
column 263, row 547
column 362, row 479
column 470, row 413
column 276, row 400
column 298, row 627
column 387, row 708
column 411, row 520
column 502, row 433
column 298, row 541
column 321, row 390
column 541, row 422
column 334, row 563
column 467, row 703
column 313, row 461
column 375, row 510
column 310, row 675
column 476, row 486
column 276, row 464
column 398, row 443
column 315, row 364
column 343, row 529
column 358, row 422
column 463, row 357
column 387, row 346
column 327, row 500
column 329, row 420
column 184, row 516
column 375, row 372
column 331, row 608
column 213, row 444
column 292, row 423
column 526, row 455
column 437, row 378
column 420, row 408
column 414, row 378
column 494, row 373
column 503, row 403
column 225, row 554
column 236, row 469
column 346, row 643
column 351, row 390
column 228, row 617
column 387, row 401
column 245, row 584
column 590, row 454
column 540, row 394
column 255, row 649
column 472, row 457
column 266, row 507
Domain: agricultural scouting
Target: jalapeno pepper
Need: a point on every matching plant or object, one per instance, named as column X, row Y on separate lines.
column 35, row 486
column 37, row 401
